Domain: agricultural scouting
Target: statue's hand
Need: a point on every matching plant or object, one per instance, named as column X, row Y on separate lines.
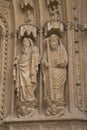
column 62, row 65
column 47, row 65
column 54, row 63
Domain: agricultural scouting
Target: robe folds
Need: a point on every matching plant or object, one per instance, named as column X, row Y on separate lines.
column 54, row 76
column 26, row 71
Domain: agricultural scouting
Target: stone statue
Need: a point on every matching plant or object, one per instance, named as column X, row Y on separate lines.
column 54, row 76
column 25, row 77
column 28, row 8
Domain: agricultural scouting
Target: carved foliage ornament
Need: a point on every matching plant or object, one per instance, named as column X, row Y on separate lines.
column 27, row 30
column 55, row 27
column 26, row 4
column 4, row 3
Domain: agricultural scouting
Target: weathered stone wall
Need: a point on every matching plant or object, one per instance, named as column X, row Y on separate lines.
column 63, row 107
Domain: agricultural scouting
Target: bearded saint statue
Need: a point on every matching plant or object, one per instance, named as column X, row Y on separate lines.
column 54, row 75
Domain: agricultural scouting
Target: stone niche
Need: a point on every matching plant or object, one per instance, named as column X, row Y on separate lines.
column 43, row 81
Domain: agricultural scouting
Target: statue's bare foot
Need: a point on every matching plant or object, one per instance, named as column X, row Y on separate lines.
column 31, row 111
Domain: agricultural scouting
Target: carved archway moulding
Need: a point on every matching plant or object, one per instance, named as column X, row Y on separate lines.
column 4, row 53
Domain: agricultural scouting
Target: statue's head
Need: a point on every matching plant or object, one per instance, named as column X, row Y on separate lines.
column 54, row 42
column 27, row 42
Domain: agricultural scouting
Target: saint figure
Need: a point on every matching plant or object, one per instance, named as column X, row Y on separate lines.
column 25, row 77
column 54, row 75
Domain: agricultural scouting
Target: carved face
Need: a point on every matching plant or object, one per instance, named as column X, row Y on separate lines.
column 26, row 42
column 53, row 43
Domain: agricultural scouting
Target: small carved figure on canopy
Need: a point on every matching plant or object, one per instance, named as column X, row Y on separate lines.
column 25, row 73
column 54, row 7
column 54, row 76
column 28, row 8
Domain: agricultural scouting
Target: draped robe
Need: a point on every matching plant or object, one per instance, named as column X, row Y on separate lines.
column 27, row 67
column 54, row 91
